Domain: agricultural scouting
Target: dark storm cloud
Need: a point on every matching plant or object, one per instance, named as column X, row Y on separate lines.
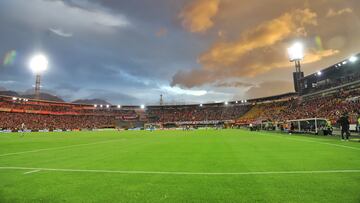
column 31, row 91
column 136, row 49
column 60, row 32
column 82, row 4
column 67, row 86
column 269, row 88
column 120, row 98
column 116, row 59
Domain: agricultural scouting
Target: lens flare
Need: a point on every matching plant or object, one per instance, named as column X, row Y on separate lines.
column 9, row 58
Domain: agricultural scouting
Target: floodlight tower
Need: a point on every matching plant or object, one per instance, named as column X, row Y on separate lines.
column 162, row 107
column 161, row 100
column 296, row 54
column 38, row 65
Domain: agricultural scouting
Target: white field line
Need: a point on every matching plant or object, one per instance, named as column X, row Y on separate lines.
column 180, row 172
column 324, row 143
column 33, row 171
column 310, row 140
column 56, row 148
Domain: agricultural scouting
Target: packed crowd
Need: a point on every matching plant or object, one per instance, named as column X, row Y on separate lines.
column 333, row 83
column 330, row 107
column 62, row 108
column 37, row 115
column 168, row 114
column 17, row 121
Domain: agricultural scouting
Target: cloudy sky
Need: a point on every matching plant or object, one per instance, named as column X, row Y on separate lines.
column 131, row 51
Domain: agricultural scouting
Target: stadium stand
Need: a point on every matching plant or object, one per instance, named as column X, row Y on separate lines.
column 327, row 95
column 341, row 74
column 330, row 106
column 207, row 112
column 38, row 115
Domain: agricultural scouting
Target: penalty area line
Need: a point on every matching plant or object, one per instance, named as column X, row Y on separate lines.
column 176, row 172
column 305, row 139
column 324, row 143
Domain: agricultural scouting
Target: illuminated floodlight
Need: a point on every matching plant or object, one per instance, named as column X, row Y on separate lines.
column 101, row 106
column 339, row 64
column 119, row 106
column 344, row 62
column 201, row 105
column 39, row 64
column 107, row 106
column 14, row 98
column 95, row 105
column 226, row 103
column 142, row 106
column 296, row 52
column 236, row 102
column 319, row 73
column 353, row 59
column 245, row 101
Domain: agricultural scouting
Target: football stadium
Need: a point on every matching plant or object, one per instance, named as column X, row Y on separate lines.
column 271, row 117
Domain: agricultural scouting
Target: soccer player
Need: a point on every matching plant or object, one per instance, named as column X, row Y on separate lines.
column 251, row 126
column 345, row 127
column 292, row 128
column 22, row 129
column 358, row 125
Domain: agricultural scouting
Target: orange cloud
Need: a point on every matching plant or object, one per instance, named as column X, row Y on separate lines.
column 266, row 34
column 197, row 17
column 251, row 65
column 162, row 32
column 333, row 13
column 270, row 88
column 314, row 56
column 274, row 61
column 257, row 51
column 233, row 84
column 192, row 78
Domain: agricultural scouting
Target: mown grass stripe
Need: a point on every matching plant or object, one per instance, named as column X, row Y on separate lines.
column 62, row 147
column 179, row 172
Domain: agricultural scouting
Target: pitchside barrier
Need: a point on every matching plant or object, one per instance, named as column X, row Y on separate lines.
column 56, row 130
column 122, row 124
column 310, row 125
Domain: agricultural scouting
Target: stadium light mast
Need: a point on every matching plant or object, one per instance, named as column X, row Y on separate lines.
column 296, row 54
column 38, row 65
column 161, row 100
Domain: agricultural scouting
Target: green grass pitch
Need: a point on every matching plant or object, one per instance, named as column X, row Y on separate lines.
column 177, row 166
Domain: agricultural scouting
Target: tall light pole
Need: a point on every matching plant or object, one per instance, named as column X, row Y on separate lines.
column 38, row 65
column 296, row 54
